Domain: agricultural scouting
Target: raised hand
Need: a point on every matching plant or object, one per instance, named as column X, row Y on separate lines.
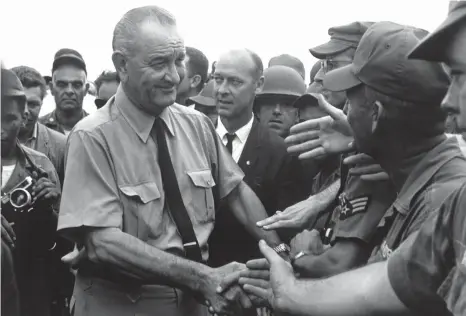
column 323, row 136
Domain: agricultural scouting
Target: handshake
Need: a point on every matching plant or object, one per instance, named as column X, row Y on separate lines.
column 268, row 282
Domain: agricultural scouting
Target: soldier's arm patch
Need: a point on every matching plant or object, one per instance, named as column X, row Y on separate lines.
column 349, row 207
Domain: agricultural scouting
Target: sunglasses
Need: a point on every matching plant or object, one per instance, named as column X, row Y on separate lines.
column 100, row 102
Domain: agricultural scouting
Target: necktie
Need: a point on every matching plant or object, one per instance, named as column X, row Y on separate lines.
column 173, row 196
column 230, row 138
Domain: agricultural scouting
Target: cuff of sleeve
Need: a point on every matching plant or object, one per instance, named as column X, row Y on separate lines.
column 69, row 225
column 233, row 181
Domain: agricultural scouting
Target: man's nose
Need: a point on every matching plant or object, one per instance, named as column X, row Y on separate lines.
column 277, row 109
column 173, row 75
column 319, row 76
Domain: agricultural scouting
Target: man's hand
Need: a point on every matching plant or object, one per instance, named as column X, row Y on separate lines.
column 308, row 241
column 280, row 289
column 226, row 302
column 74, row 258
column 299, row 216
column 8, row 234
column 365, row 166
column 323, row 136
column 45, row 189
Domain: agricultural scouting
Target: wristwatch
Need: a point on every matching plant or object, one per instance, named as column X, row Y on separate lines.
column 282, row 248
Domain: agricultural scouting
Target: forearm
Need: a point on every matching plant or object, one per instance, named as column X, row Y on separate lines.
column 248, row 210
column 326, row 196
column 113, row 247
column 345, row 255
column 366, row 291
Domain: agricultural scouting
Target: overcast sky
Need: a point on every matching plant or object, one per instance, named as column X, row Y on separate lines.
column 32, row 31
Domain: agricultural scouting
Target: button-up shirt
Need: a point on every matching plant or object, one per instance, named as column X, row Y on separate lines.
column 442, row 170
column 239, row 141
column 113, row 177
column 50, row 120
column 50, row 143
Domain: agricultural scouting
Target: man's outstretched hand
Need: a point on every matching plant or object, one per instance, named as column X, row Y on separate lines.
column 323, row 136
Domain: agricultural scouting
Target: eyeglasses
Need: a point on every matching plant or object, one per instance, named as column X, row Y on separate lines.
column 329, row 64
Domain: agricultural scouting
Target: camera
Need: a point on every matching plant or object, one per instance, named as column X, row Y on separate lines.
column 20, row 196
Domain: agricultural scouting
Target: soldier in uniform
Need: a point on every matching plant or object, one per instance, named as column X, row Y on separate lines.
column 422, row 276
column 30, row 197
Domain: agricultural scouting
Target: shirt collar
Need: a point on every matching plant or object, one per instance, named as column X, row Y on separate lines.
column 424, row 171
column 242, row 133
column 140, row 121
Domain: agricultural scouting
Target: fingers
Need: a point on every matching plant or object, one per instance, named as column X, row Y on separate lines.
column 246, row 303
column 8, row 234
column 314, row 124
column 381, row 176
column 75, row 257
column 256, row 291
column 256, row 274
column 228, row 281
column 365, row 170
column 254, row 282
column 269, row 254
column 305, row 146
column 7, row 238
column 334, row 112
column 258, row 264
column 358, row 159
column 302, row 136
column 313, row 154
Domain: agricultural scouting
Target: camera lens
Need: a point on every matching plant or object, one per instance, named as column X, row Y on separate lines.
column 19, row 198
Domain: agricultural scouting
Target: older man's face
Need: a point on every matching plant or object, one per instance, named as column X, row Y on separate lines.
column 454, row 102
column 156, row 67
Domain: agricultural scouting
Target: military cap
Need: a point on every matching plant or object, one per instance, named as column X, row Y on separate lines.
column 68, row 56
column 11, row 85
column 341, row 38
column 381, row 63
column 282, row 80
column 206, row 96
column 433, row 46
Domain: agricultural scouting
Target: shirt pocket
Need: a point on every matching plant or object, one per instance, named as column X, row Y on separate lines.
column 202, row 198
column 142, row 210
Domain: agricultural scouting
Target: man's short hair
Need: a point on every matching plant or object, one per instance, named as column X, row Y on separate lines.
column 126, row 30
column 258, row 65
column 106, row 76
column 429, row 118
column 197, row 65
column 31, row 78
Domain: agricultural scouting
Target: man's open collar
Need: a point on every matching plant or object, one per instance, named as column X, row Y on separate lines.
column 141, row 122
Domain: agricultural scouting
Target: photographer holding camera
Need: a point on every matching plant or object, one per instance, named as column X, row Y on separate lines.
column 30, row 198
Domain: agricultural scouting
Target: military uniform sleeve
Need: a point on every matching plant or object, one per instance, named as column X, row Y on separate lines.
column 417, row 270
column 90, row 195
column 362, row 205
column 227, row 174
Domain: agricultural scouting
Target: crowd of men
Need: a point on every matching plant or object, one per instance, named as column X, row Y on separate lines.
column 242, row 191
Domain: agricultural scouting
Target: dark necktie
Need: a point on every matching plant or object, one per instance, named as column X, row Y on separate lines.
column 173, row 196
column 230, row 138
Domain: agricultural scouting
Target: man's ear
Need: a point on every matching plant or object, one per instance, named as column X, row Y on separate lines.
column 86, row 87
column 195, row 81
column 121, row 65
column 259, row 84
column 377, row 112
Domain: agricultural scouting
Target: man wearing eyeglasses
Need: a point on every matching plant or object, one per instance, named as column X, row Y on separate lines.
column 106, row 84
column 337, row 53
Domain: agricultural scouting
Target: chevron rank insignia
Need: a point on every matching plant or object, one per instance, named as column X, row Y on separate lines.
column 350, row 207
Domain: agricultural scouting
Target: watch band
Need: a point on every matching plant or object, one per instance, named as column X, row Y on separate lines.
column 282, row 248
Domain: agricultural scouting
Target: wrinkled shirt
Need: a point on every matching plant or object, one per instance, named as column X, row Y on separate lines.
column 113, row 177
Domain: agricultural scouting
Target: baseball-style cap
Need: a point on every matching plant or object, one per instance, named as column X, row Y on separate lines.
column 306, row 99
column 289, row 61
column 381, row 63
column 433, row 46
column 11, row 85
column 67, row 56
column 206, row 96
column 341, row 38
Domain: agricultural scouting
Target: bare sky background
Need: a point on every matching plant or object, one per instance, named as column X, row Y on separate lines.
column 32, row 31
